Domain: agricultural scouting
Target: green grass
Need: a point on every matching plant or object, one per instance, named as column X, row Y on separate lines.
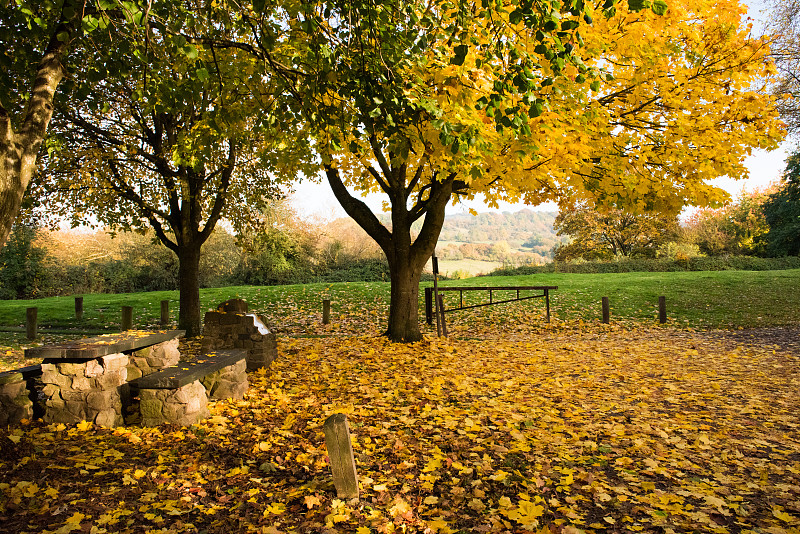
column 711, row 299
column 722, row 299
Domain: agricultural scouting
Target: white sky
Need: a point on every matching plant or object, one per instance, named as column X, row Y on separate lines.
column 316, row 200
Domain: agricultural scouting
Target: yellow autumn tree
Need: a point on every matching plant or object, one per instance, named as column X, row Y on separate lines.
column 632, row 105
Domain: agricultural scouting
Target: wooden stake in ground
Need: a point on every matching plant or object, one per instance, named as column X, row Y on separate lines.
column 31, row 322
column 662, row 310
column 164, row 312
column 606, row 310
column 340, row 452
column 326, row 311
column 79, row 308
column 127, row 317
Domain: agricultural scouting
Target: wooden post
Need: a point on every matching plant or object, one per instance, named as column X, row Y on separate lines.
column 340, row 452
column 79, row 308
column 606, row 311
column 436, row 296
column 429, row 305
column 31, row 322
column 164, row 312
column 662, row 310
column 326, row 311
column 127, row 317
column 546, row 303
column 440, row 310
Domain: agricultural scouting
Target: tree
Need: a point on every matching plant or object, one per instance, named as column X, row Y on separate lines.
column 172, row 145
column 737, row 228
column 782, row 213
column 430, row 102
column 597, row 235
column 784, row 26
column 35, row 39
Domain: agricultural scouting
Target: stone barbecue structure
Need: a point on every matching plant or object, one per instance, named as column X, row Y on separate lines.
column 231, row 327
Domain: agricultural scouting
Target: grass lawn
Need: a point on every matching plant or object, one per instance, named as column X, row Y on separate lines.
column 721, row 299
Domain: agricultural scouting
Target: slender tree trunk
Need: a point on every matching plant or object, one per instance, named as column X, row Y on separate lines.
column 189, row 286
column 19, row 150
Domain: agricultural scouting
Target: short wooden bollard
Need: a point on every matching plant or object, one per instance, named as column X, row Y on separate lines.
column 79, row 308
column 127, row 317
column 606, row 311
column 340, row 452
column 164, row 312
column 662, row 310
column 326, row 311
column 31, row 322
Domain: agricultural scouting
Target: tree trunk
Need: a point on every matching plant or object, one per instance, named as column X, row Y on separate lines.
column 19, row 150
column 189, row 286
column 405, row 274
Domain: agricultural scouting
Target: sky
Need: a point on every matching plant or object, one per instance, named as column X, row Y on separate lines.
column 315, row 200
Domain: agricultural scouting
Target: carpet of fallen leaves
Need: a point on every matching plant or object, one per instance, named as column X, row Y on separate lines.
column 557, row 429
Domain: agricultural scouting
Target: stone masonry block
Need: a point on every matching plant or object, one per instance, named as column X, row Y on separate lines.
column 114, row 362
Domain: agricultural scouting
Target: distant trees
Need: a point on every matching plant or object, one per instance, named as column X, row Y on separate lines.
column 602, row 235
column 738, row 228
column 782, row 213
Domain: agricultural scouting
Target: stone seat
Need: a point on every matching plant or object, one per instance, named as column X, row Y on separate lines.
column 180, row 394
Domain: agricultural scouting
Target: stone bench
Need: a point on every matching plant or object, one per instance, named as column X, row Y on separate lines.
column 17, row 395
column 179, row 395
column 87, row 379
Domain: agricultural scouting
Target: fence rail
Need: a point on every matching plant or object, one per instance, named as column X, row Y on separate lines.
column 429, row 297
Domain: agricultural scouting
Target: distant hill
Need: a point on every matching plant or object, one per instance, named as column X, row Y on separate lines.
column 515, row 228
column 518, row 238
column 482, row 242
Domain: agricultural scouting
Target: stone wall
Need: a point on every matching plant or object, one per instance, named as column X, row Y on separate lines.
column 226, row 330
column 183, row 406
column 84, row 390
column 227, row 383
column 154, row 358
column 15, row 401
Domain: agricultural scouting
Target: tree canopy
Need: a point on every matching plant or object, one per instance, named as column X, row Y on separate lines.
column 782, row 213
column 171, row 142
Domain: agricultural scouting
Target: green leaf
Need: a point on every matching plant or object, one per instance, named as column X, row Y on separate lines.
column 638, row 5
column 202, row 74
column 258, row 5
column 595, row 86
column 460, row 54
column 659, row 7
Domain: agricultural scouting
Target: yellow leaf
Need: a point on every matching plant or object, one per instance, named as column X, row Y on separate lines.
column 431, row 499
column 783, row 516
column 83, row 426
column 311, row 501
column 363, row 530
column 139, row 473
column 76, row 518
column 14, row 438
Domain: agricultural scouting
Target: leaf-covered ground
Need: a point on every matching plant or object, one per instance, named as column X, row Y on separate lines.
column 511, row 428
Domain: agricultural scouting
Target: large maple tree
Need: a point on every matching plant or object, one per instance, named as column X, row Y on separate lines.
column 434, row 102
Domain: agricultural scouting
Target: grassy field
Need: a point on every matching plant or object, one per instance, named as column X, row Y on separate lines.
column 723, row 299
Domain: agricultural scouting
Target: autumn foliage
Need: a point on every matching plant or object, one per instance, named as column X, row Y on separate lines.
column 562, row 429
